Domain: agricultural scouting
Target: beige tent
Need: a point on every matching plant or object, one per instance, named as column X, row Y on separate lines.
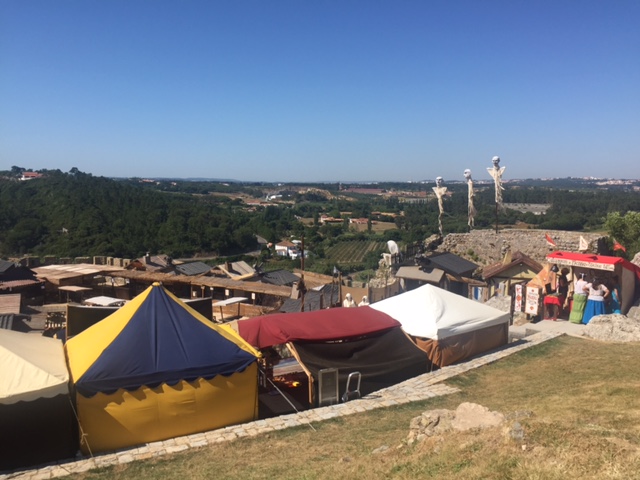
column 36, row 419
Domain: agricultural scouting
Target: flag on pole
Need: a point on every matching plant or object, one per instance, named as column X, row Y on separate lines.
column 584, row 245
column 550, row 240
column 617, row 246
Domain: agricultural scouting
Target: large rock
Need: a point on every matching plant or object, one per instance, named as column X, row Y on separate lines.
column 501, row 302
column 613, row 328
column 467, row 416
column 471, row 416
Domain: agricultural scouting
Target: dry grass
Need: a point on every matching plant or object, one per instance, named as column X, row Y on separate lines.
column 584, row 403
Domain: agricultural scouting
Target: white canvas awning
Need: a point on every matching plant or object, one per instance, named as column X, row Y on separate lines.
column 103, row 301
column 230, row 301
column 431, row 312
column 33, row 367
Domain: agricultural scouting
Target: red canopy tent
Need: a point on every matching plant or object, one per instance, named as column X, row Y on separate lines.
column 359, row 339
column 318, row 325
column 628, row 273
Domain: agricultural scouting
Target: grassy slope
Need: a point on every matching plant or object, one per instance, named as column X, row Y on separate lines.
column 583, row 396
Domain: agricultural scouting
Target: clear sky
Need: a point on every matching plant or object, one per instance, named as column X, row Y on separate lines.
column 313, row 90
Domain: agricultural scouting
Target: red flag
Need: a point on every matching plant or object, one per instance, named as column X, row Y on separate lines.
column 617, row 246
column 549, row 240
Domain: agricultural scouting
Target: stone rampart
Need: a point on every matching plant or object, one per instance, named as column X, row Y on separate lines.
column 486, row 247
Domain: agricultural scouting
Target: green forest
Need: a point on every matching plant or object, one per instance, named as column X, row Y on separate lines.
column 71, row 214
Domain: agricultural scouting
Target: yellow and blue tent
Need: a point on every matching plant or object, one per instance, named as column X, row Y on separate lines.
column 157, row 369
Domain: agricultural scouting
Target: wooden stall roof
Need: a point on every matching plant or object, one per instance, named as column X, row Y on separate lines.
column 10, row 303
column 216, row 282
column 65, row 274
column 74, row 288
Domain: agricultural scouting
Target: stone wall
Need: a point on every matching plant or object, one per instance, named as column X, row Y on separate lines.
column 485, row 247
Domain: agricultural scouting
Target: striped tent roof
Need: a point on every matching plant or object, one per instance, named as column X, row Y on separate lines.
column 155, row 338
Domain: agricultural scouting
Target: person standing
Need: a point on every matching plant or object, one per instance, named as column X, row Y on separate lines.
column 579, row 300
column 562, row 289
column 598, row 293
column 614, row 299
column 348, row 301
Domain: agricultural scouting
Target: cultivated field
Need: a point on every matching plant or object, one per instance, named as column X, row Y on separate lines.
column 345, row 253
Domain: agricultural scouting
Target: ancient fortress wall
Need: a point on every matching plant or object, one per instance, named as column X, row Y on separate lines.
column 485, row 247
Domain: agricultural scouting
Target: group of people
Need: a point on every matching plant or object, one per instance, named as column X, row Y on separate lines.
column 349, row 302
column 588, row 299
column 597, row 297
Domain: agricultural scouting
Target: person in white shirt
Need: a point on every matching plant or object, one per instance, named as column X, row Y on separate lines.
column 579, row 300
column 598, row 292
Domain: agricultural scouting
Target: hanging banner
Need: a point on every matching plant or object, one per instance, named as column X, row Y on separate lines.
column 517, row 306
column 533, row 300
column 610, row 267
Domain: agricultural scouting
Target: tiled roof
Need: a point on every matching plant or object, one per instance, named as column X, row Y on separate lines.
column 286, row 243
column 193, row 268
column 5, row 265
column 155, row 262
column 18, row 283
column 280, row 277
column 238, row 270
column 452, row 263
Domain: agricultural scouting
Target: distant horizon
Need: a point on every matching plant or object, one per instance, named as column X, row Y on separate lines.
column 375, row 182
column 347, row 182
column 297, row 91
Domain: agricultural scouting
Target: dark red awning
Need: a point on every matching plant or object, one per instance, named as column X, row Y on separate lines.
column 319, row 325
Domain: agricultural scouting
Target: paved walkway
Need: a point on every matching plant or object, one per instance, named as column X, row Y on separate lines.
column 559, row 326
column 425, row 386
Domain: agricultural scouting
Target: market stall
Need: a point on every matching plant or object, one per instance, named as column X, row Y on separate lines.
column 605, row 266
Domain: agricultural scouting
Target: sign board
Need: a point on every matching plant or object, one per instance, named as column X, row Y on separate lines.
column 610, row 267
column 517, row 305
column 532, row 301
column 328, row 387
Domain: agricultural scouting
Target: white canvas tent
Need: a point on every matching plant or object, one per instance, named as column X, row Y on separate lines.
column 36, row 419
column 449, row 327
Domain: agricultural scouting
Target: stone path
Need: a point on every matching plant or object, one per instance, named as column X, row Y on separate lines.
column 425, row 386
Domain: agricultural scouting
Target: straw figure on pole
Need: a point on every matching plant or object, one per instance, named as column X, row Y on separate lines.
column 440, row 191
column 471, row 208
column 496, row 173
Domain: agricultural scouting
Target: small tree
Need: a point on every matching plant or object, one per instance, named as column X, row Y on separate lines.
column 626, row 230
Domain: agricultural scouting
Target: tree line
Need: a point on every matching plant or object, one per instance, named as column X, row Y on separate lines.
column 78, row 214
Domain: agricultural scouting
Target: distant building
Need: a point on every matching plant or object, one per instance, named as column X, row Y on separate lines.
column 327, row 219
column 287, row 249
column 30, row 175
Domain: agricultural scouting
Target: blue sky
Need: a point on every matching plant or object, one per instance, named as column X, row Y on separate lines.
column 321, row 90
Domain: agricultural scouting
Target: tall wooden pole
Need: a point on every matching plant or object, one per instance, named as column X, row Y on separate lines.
column 302, row 276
